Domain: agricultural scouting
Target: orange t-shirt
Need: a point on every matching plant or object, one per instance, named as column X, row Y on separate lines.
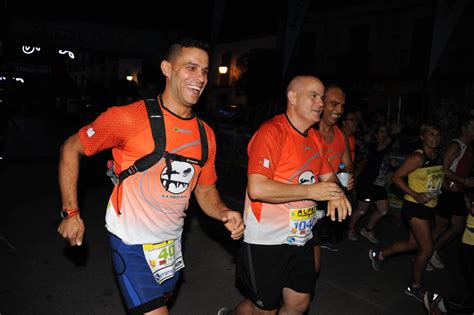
column 352, row 147
column 336, row 149
column 279, row 152
column 142, row 210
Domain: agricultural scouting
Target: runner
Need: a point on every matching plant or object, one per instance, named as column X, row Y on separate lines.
column 145, row 213
column 275, row 267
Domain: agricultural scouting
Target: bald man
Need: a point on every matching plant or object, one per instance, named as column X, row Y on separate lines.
column 287, row 175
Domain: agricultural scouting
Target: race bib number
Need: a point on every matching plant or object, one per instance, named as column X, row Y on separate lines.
column 164, row 259
column 301, row 224
column 434, row 182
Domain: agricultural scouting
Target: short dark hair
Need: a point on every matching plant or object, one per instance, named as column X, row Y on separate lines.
column 331, row 86
column 429, row 125
column 176, row 47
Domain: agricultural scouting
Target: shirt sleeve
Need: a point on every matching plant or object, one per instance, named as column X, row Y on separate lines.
column 326, row 166
column 112, row 128
column 264, row 151
column 208, row 174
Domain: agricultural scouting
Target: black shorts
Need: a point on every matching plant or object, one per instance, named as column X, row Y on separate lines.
column 416, row 210
column 264, row 270
column 370, row 192
column 451, row 203
column 316, row 239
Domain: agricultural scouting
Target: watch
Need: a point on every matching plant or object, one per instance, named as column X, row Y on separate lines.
column 67, row 213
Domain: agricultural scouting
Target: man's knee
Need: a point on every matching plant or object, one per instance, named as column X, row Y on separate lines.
column 383, row 212
column 297, row 307
column 296, row 303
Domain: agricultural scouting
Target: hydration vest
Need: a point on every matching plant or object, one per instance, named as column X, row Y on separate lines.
column 157, row 124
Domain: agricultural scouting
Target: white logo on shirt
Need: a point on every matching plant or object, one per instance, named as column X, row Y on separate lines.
column 307, row 178
column 266, row 163
column 181, row 174
column 90, row 132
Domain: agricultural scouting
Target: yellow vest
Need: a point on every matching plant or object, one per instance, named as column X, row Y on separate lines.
column 426, row 179
column 468, row 236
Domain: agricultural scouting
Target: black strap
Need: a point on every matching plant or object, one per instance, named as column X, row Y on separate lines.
column 157, row 124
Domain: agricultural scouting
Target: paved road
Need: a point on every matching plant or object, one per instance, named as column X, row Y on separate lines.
column 45, row 276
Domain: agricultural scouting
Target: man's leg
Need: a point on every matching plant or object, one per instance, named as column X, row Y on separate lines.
column 294, row 303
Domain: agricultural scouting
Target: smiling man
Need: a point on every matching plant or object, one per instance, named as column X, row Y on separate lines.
column 338, row 151
column 286, row 177
column 162, row 152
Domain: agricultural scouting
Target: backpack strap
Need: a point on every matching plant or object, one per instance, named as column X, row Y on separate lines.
column 157, row 124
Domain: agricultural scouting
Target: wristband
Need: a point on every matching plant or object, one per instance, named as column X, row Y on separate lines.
column 68, row 213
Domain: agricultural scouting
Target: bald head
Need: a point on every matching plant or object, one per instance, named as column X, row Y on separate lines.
column 298, row 82
column 304, row 101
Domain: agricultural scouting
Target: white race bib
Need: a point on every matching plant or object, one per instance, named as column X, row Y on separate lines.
column 164, row 259
column 301, row 224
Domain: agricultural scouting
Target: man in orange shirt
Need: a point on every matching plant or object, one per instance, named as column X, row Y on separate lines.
column 338, row 150
column 146, row 211
column 286, row 163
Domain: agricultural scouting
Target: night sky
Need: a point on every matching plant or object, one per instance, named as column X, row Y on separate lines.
column 241, row 19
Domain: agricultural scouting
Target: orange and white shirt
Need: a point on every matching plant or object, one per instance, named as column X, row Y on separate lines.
column 352, row 147
column 141, row 210
column 280, row 152
column 336, row 149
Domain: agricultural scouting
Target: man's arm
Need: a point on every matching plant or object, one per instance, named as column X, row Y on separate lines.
column 72, row 229
column 346, row 157
column 268, row 190
column 341, row 205
column 451, row 153
column 211, row 203
column 411, row 163
column 347, row 160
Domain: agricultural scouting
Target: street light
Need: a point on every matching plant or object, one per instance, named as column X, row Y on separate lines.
column 223, row 69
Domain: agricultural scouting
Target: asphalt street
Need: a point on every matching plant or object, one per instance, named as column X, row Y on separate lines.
column 41, row 274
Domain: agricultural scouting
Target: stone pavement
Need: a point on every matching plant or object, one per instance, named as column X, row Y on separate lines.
column 45, row 276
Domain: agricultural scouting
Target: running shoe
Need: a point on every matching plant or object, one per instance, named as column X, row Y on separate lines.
column 417, row 292
column 435, row 261
column 330, row 246
column 352, row 235
column 374, row 257
column 429, row 267
column 225, row 311
column 369, row 235
column 434, row 303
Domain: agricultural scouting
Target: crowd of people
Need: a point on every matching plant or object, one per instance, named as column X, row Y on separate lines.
column 162, row 152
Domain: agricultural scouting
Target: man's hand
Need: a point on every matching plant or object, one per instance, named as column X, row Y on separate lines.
column 233, row 222
column 326, row 191
column 342, row 206
column 421, row 198
column 72, row 230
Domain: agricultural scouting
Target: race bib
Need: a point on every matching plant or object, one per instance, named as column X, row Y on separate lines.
column 383, row 170
column 434, row 182
column 301, row 224
column 164, row 259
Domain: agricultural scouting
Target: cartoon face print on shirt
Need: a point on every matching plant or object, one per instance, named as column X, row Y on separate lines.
column 179, row 177
column 306, row 178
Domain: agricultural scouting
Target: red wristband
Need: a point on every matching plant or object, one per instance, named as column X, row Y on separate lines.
column 67, row 213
